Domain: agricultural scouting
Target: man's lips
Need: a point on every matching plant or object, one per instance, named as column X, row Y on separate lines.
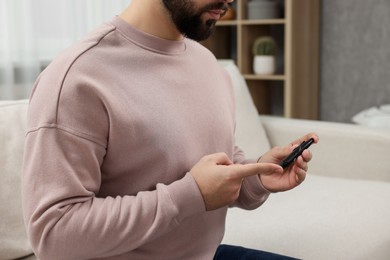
column 216, row 14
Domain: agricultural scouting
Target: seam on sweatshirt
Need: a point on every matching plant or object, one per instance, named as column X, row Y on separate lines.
column 69, row 131
column 103, row 35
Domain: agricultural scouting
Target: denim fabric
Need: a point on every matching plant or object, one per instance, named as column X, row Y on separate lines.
column 228, row 252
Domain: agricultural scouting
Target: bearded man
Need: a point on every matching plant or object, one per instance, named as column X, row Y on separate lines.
column 130, row 148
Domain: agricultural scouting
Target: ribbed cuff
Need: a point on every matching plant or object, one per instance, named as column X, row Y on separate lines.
column 186, row 195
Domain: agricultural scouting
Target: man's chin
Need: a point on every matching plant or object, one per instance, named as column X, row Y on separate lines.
column 211, row 23
column 200, row 30
column 204, row 35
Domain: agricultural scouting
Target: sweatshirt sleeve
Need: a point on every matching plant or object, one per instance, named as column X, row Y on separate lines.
column 252, row 193
column 60, row 179
column 65, row 147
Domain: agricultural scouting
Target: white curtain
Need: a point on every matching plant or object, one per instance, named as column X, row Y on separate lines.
column 33, row 32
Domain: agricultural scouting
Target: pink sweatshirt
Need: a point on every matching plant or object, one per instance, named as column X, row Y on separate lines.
column 115, row 124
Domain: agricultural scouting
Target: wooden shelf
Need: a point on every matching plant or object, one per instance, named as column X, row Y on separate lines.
column 227, row 23
column 262, row 21
column 250, row 22
column 297, row 35
column 264, row 77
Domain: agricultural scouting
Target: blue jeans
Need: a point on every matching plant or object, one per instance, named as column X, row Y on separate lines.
column 227, row 252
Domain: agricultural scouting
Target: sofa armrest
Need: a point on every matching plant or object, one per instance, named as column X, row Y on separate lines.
column 344, row 150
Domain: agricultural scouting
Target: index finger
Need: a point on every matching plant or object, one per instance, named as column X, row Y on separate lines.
column 305, row 138
column 246, row 170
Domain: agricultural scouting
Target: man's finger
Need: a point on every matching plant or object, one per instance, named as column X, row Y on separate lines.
column 307, row 155
column 300, row 175
column 251, row 169
column 305, row 138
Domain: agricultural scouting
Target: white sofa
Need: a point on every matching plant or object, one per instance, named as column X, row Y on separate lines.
column 341, row 211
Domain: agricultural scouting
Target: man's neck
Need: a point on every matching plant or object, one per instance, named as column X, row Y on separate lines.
column 150, row 16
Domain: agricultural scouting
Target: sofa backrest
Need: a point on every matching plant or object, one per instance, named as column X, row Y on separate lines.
column 250, row 133
column 13, row 238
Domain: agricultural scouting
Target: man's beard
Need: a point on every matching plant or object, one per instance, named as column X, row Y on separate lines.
column 189, row 21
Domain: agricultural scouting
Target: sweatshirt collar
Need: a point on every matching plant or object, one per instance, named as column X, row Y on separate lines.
column 148, row 41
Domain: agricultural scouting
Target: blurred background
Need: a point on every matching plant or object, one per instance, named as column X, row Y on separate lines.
column 33, row 32
column 353, row 63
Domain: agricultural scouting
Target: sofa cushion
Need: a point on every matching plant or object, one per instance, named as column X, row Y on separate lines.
column 250, row 134
column 13, row 239
column 324, row 218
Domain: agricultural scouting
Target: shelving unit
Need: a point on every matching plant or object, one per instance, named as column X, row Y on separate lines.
column 293, row 90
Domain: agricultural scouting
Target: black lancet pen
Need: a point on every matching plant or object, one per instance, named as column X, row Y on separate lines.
column 296, row 153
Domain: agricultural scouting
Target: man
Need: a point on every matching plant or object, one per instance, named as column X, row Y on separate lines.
column 130, row 146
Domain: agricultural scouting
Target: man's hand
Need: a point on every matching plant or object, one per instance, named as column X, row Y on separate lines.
column 219, row 180
column 293, row 175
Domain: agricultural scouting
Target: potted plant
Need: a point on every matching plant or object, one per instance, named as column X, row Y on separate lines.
column 264, row 55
